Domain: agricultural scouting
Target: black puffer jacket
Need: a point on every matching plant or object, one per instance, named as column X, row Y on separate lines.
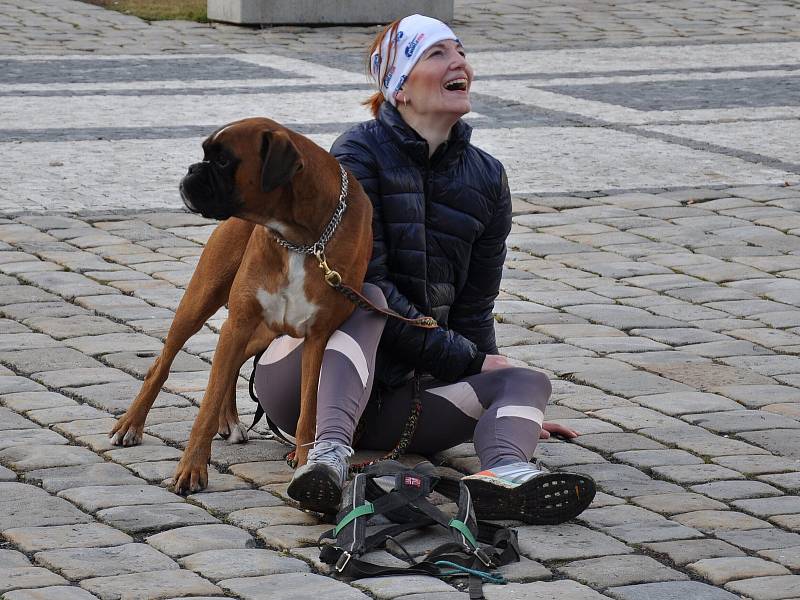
column 439, row 230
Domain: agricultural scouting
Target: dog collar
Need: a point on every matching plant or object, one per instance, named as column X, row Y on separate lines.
column 317, row 249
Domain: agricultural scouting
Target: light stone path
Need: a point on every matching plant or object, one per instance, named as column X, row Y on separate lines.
column 653, row 273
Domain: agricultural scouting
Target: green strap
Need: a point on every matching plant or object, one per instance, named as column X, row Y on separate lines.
column 360, row 511
column 464, row 530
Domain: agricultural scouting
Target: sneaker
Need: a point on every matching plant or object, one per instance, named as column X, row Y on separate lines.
column 521, row 492
column 317, row 485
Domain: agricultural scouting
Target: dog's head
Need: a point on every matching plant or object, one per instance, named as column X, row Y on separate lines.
column 244, row 164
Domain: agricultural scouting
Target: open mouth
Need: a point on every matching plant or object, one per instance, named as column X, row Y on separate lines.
column 457, row 85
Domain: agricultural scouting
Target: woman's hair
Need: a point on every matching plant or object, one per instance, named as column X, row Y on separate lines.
column 375, row 100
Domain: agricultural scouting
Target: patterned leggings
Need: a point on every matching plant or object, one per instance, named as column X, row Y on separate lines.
column 501, row 411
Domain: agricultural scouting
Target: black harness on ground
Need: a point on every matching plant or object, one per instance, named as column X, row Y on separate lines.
column 476, row 551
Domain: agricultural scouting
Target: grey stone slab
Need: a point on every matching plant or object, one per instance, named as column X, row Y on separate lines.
column 635, row 418
column 19, row 294
column 783, row 442
column 24, row 505
column 645, row 459
column 28, row 577
column 741, row 420
column 786, row 481
column 616, row 442
column 768, row 507
column 689, row 474
column 75, row 325
column 721, row 570
column 61, row 414
column 146, row 452
column 227, row 502
column 699, row 441
column 7, row 474
column 621, row 317
column 157, row 585
column 567, row 542
column 53, row 308
column 93, row 498
column 253, row 519
column 755, row 396
column 10, row 384
column 11, row 420
column 611, row 516
column 200, row 538
column 736, row 490
column 542, row 590
column 13, row 558
column 111, row 342
column 290, row 586
column 230, row 563
column 29, row 458
column 636, row 383
column 50, row 593
column 714, row 521
column 29, row 437
column 671, row 590
column 25, row 401
column 761, row 539
column 652, row 531
column 85, row 427
column 263, row 472
column 759, row 464
column 88, row 535
column 789, row 557
column 100, row 474
column 767, row 588
column 679, row 502
column 614, row 571
column 151, row 517
column 287, row 537
column 396, row 586
column 80, row 563
column 557, row 455
column 225, row 454
column 47, row 359
column 683, row 552
column 26, row 341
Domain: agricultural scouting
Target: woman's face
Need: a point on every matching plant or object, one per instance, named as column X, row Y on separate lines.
column 439, row 83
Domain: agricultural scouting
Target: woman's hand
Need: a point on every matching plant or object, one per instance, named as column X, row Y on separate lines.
column 493, row 362
column 550, row 429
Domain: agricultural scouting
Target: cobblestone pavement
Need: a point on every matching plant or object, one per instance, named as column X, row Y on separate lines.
column 654, row 273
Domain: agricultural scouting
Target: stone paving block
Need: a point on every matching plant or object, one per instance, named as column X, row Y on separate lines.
column 116, row 397
column 80, row 563
column 12, row 558
column 689, row 474
column 557, row 455
column 255, row 518
column 784, row 442
column 789, row 557
column 616, row 442
column 287, row 537
column 29, row 458
column 88, row 535
column 146, row 452
column 11, row 420
column 735, row 421
column 25, row 401
column 624, row 481
column 27, row 577
column 645, row 459
column 227, row 502
column 542, row 590
column 396, row 586
column 20, row 294
column 85, row 427
column 567, row 542
column 49, row 593
column 230, row 563
column 768, row 507
column 12, row 438
column 790, row 522
column 7, row 474
column 736, row 490
column 617, row 515
column 157, row 585
column 47, row 359
column 184, row 541
column 75, row 325
column 62, row 414
column 614, row 571
column 787, row 481
column 722, row 570
column 767, row 588
column 106, row 343
column 224, row 454
column 699, row 441
column 151, row 517
column 635, row 418
column 26, row 341
column 97, row 497
column 758, row 464
column 10, row 384
column 55, row 480
column 683, row 552
column 760, row 539
column 636, row 383
column 714, row 521
column 671, row 590
column 290, row 586
column 263, row 472
column 55, row 307
column 681, row 502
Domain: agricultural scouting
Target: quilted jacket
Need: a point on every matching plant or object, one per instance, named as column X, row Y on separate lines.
column 439, row 231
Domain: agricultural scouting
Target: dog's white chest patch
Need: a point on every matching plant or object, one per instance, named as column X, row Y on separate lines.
column 289, row 305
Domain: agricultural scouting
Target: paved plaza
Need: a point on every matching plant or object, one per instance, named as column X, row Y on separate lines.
column 653, row 272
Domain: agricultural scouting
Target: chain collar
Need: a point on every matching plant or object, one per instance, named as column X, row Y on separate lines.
column 318, row 248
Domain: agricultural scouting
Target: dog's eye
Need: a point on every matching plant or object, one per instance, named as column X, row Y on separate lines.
column 221, row 161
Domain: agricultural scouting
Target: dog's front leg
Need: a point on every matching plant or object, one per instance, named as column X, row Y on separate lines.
column 313, row 349
column 191, row 474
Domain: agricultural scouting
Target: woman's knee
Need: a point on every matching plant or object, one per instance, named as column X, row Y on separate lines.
column 374, row 294
column 522, row 384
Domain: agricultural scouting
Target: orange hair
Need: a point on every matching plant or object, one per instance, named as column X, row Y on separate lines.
column 375, row 100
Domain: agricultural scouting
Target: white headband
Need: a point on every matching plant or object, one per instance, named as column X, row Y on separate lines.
column 415, row 34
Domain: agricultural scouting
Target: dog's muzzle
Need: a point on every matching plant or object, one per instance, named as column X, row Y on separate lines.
column 201, row 194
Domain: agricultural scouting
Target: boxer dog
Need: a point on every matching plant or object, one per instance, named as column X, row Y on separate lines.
column 264, row 182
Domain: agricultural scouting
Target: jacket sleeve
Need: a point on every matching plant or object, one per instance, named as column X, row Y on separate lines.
column 444, row 353
column 471, row 313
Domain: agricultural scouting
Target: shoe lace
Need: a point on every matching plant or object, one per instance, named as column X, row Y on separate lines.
column 333, row 454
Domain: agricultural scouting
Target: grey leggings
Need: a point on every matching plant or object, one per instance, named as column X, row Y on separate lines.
column 501, row 411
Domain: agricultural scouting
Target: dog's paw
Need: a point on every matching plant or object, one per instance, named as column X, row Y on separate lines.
column 126, row 434
column 189, row 478
column 238, row 433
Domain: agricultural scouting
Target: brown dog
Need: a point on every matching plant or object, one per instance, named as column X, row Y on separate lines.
column 261, row 179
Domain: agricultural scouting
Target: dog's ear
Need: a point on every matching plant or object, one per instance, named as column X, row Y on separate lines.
column 280, row 160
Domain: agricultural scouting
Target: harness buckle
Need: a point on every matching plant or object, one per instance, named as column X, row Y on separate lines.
column 344, row 558
column 483, row 557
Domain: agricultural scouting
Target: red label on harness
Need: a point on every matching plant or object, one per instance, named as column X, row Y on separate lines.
column 410, row 481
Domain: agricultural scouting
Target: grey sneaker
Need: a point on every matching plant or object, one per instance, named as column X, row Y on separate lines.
column 317, row 485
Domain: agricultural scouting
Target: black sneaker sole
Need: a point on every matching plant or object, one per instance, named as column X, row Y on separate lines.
column 316, row 488
column 547, row 499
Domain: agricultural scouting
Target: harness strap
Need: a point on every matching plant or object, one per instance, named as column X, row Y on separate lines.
column 365, row 509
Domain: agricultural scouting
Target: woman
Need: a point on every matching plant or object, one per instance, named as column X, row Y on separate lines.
column 442, row 212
